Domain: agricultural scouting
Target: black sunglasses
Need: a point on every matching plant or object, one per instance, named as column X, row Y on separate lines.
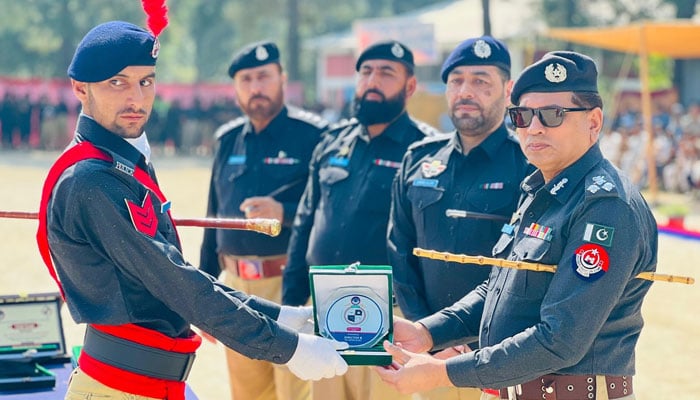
column 550, row 116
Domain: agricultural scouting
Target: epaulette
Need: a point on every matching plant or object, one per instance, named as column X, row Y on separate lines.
column 426, row 128
column 341, row 125
column 306, row 116
column 436, row 138
column 228, row 127
column 599, row 184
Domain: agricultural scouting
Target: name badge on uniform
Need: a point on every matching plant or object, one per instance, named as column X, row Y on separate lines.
column 431, row 183
column 508, row 229
column 235, row 160
column 339, row 161
column 280, row 160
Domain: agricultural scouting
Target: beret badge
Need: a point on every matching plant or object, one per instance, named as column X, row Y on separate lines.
column 397, row 50
column 261, row 53
column 555, row 73
column 482, row 49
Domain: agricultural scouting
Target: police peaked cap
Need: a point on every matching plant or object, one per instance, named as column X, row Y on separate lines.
column 557, row 71
column 254, row 55
column 387, row 50
column 483, row 50
column 109, row 48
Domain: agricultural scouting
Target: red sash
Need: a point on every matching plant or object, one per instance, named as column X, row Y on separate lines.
column 106, row 374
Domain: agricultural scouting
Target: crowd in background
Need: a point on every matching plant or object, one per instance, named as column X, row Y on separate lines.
column 189, row 129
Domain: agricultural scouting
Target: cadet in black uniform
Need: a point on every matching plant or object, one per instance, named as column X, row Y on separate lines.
column 570, row 334
column 343, row 214
column 475, row 169
column 104, row 225
column 260, row 171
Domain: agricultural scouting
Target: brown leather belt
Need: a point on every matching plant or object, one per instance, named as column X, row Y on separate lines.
column 569, row 387
column 254, row 268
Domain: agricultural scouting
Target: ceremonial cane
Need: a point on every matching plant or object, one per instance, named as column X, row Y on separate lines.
column 271, row 227
column 530, row 266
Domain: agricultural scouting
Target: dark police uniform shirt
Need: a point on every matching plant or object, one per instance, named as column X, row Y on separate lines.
column 436, row 176
column 273, row 162
column 586, row 318
column 113, row 274
column 343, row 214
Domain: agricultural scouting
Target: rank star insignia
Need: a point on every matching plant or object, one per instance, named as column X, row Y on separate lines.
column 397, row 50
column 432, row 169
column 555, row 73
column 261, row 53
column 144, row 216
column 590, row 261
column 482, row 49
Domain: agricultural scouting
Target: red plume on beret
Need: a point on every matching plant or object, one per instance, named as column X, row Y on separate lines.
column 157, row 15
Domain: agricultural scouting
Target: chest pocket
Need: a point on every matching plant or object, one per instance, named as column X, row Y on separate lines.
column 376, row 192
column 232, row 169
column 529, row 284
column 422, row 197
column 328, row 177
column 490, row 200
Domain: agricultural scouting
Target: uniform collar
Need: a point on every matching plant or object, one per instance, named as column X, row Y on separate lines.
column 274, row 128
column 567, row 181
column 489, row 146
column 396, row 131
column 88, row 129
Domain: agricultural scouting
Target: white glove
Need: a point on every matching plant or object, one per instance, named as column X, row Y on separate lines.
column 316, row 358
column 299, row 319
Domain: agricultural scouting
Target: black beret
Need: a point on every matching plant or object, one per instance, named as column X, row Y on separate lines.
column 483, row 50
column 109, row 48
column 387, row 50
column 254, row 55
column 557, row 71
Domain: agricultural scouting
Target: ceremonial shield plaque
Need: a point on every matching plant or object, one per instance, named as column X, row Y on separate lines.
column 353, row 304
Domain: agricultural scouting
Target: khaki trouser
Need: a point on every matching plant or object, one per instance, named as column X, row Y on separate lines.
column 261, row 380
column 83, row 387
column 449, row 393
column 601, row 392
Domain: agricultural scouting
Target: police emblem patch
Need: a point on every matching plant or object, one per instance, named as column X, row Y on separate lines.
column 590, row 261
column 558, row 186
column 555, row 73
column 397, row 50
column 261, row 53
column 144, row 216
column 482, row 49
column 433, row 168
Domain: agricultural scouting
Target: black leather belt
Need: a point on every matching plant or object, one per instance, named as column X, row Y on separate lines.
column 137, row 358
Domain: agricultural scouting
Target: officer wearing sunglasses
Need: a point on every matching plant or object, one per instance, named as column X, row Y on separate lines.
column 570, row 334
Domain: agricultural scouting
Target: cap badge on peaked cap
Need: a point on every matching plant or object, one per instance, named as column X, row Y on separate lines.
column 555, row 73
column 482, row 49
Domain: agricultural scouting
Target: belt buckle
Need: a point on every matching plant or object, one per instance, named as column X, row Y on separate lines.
column 188, row 367
column 250, row 269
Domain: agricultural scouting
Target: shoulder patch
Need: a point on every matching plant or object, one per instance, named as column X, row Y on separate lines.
column 306, row 116
column 228, row 127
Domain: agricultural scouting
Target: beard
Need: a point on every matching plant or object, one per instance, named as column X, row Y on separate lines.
column 264, row 108
column 482, row 123
column 370, row 112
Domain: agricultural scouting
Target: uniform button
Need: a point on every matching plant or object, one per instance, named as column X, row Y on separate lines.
column 531, row 214
column 276, row 359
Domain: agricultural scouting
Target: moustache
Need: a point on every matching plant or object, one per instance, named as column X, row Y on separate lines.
column 133, row 111
column 375, row 91
column 258, row 97
column 466, row 102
